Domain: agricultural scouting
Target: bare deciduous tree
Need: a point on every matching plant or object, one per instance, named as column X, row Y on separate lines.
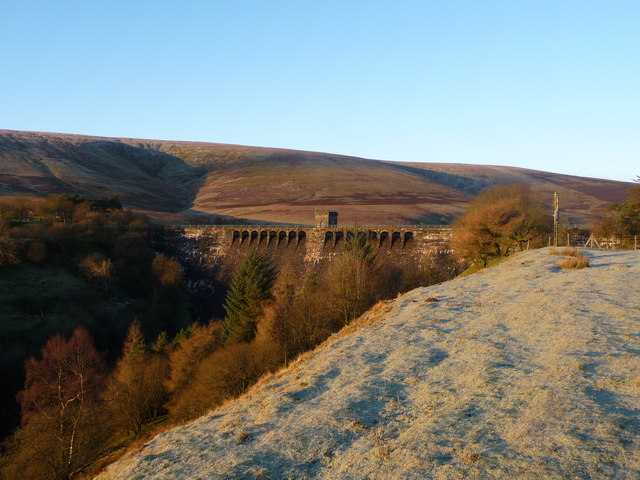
column 61, row 431
column 351, row 277
column 98, row 266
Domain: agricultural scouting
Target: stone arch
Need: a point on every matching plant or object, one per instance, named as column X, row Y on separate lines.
column 395, row 236
column 272, row 236
column 235, row 236
column 339, row 237
column 328, row 237
column 383, row 238
column 407, row 237
column 302, row 235
column 373, row 236
column 244, row 235
column 263, row 236
column 282, row 235
column 292, row 236
column 254, row 236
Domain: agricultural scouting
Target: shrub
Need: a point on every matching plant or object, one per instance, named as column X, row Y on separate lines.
column 224, row 374
column 574, row 262
column 498, row 221
column 620, row 218
column 573, row 259
column 191, row 346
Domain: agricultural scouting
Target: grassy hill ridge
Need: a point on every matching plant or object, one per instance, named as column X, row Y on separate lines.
column 268, row 183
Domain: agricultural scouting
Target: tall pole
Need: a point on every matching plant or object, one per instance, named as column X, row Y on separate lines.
column 555, row 218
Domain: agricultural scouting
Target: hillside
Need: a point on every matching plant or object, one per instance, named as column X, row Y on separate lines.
column 521, row 371
column 269, row 184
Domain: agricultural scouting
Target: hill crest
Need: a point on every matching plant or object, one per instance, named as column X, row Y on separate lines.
column 269, row 184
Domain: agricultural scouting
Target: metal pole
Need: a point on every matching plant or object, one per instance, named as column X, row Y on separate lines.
column 556, row 215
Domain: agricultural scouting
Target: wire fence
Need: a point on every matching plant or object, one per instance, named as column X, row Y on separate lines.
column 586, row 239
column 614, row 243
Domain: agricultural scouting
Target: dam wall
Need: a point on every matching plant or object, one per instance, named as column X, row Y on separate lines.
column 210, row 254
column 305, row 245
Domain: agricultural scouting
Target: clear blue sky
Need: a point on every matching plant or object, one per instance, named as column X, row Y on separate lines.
column 550, row 85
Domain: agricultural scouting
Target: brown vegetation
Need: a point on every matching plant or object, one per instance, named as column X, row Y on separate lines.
column 573, row 259
column 197, row 370
column 63, row 431
column 270, row 184
column 136, row 390
column 65, row 263
column 619, row 219
column 574, row 262
column 499, row 221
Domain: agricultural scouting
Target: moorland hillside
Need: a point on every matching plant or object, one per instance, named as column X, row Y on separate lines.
column 269, row 184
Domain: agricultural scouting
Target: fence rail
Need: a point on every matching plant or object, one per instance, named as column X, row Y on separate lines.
column 613, row 243
column 585, row 239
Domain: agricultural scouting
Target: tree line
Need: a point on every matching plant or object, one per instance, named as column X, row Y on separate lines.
column 508, row 218
column 67, row 261
column 620, row 219
column 78, row 408
column 80, row 405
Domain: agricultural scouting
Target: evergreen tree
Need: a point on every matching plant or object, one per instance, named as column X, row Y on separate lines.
column 137, row 384
column 250, row 288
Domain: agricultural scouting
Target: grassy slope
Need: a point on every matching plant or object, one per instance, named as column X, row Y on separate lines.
column 520, row 371
column 269, row 184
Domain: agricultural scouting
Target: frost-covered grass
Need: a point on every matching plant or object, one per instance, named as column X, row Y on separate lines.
column 574, row 259
column 520, row 371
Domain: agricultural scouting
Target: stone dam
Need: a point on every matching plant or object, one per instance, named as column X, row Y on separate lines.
column 303, row 245
column 210, row 254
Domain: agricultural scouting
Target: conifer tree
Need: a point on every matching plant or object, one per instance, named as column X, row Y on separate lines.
column 250, row 287
column 137, row 384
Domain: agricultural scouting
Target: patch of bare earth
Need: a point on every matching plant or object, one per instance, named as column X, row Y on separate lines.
column 521, row 371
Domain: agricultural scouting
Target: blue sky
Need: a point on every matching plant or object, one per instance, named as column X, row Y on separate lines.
column 549, row 85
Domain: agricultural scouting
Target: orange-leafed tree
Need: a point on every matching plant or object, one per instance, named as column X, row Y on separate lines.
column 136, row 387
column 497, row 222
